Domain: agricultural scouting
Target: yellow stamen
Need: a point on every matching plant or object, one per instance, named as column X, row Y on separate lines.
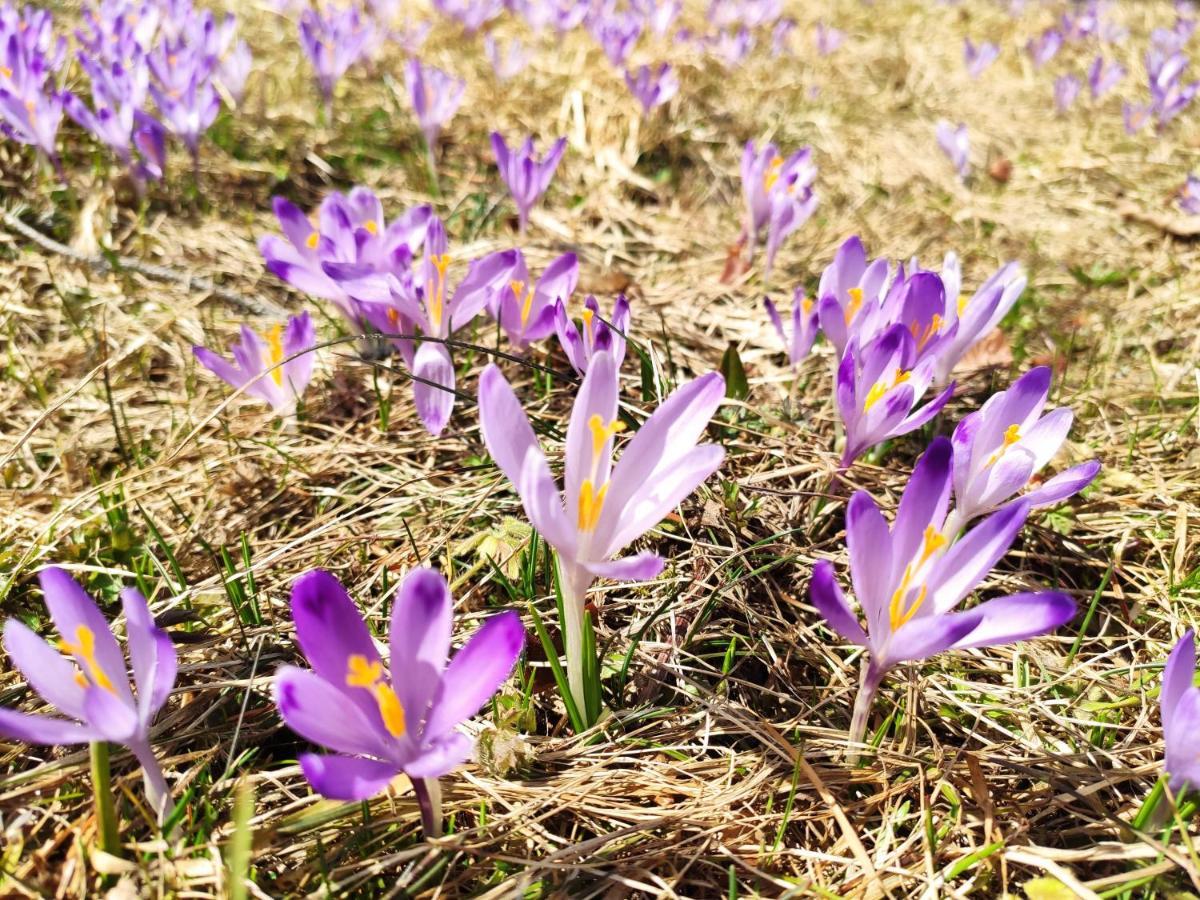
column 274, row 353
column 6, row 71
column 587, row 319
column 369, row 676
column 935, row 323
column 806, row 306
column 518, row 287
column 84, row 649
column 436, row 293
column 313, row 239
column 1012, row 434
column 393, row 317
column 172, row 59
column 897, row 614
column 591, row 503
column 934, row 541
column 81, row 679
column 371, row 227
column 856, row 301
column 601, row 432
column 771, row 176
column 963, row 303
column 881, row 387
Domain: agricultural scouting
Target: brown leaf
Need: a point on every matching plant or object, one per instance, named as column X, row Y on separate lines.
column 1000, row 169
column 1176, row 226
column 735, row 266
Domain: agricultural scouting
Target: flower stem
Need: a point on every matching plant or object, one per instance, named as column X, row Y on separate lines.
column 872, row 675
column 573, row 612
column 429, row 798
column 106, row 812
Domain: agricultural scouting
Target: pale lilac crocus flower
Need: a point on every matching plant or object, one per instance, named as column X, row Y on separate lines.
column 526, row 310
column 879, row 386
column 827, row 38
column 851, row 295
column 1136, row 116
column 275, row 369
column 1103, row 76
column 617, row 34
column 1179, row 701
column 1066, row 91
column 909, row 579
column 333, row 41
column 778, row 195
column 1044, row 47
column 999, row 448
column 804, row 326
column 1189, row 195
column 84, row 675
column 507, row 62
column 595, row 335
column 527, row 177
column 979, row 57
column 604, row 508
column 435, row 97
column 403, row 716
column 956, row 144
column 652, row 86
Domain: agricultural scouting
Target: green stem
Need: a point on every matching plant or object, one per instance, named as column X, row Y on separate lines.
column 106, row 812
column 429, row 799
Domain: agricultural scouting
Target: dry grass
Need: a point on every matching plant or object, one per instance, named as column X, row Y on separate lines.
column 723, row 764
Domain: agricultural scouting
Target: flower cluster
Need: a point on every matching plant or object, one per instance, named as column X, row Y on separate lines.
column 778, row 193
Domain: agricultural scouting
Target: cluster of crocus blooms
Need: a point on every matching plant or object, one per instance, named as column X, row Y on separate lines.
column 383, row 719
column 526, row 176
column 778, row 194
column 84, row 675
column 910, row 578
column 132, row 53
column 603, row 507
column 31, row 107
column 1166, row 64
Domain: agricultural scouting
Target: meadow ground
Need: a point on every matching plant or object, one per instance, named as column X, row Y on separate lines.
column 723, row 771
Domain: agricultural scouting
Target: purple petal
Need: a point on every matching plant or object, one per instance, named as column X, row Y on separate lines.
column 871, row 559
column 640, row 567
column 442, row 757
column 597, row 397
column 48, row 672
column 1179, row 673
column 151, row 655
column 434, row 394
column 346, row 777
column 925, row 636
column 1064, row 484
column 1017, row 617
column 924, row 500
column 327, row 714
column 968, row 562
column 420, row 640
column 31, row 729
column 115, row 719
column 476, row 672
column 71, row 609
column 830, row 602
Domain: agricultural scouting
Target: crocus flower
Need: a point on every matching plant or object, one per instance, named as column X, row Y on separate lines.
column 1066, row 91
column 506, row 62
column 1189, row 195
column 910, row 578
column 1168, row 95
column 189, row 113
column 580, row 344
column 978, row 58
column 956, row 145
column 235, row 69
column 804, row 326
column 526, row 310
column 659, row 15
column 731, row 47
column 851, row 295
column 435, row 99
column 394, row 304
column 604, row 508
column 879, row 386
column 264, row 367
column 1179, row 701
column 1136, row 116
column 617, row 34
column 828, row 38
column 1044, row 47
column 1103, row 76
column 778, row 194
column 333, row 41
column 84, row 675
column 652, row 86
column 527, row 177
column 380, row 720
column 999, row 448
column 30, row 108
column 781, row 37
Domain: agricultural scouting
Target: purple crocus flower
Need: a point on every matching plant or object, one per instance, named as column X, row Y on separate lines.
column 652, row 85
column 804, row 326
column 604, row 508
column 333, row 40
column 828, row 38
column 265, row 367
column 956, row 145
column 778, row 194
column 1044, row 47
column 851, row 295
column 879, row 386
column 526, row 310
column 506, row 62
column 435, row 97
column 1136, row 116
column 1066, row 91
column 999, row 448
column 396, row 304
column 403, row 716
column 1168, row 96
column 1103, row 76
column 978, row 58
column 30, row 107
column 731, row 47
column 1189, row 195
column 235, row 69
column 963, row 320
column 84, row 675
column 617, row 34
column 658, row 15
column 1179, row 701
column 527, row 177
column 594, row 336
column 910, row 578
column 188, row 114
column 781, row 37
